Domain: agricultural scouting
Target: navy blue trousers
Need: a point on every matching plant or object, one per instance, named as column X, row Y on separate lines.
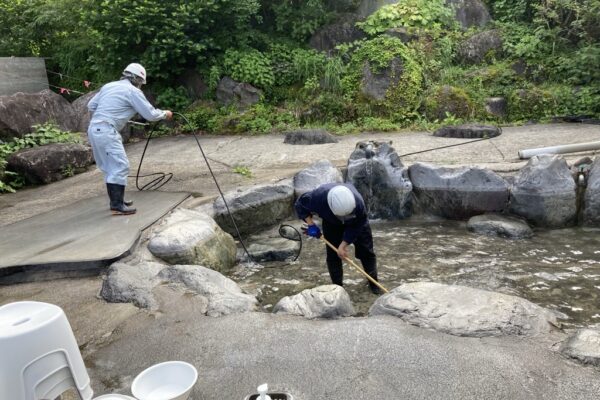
column 363, row 250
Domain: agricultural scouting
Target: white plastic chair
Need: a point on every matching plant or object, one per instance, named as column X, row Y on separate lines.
column 39, row 356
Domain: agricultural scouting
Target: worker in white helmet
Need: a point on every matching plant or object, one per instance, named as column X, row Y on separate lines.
column 345, row 222
column 111, row 108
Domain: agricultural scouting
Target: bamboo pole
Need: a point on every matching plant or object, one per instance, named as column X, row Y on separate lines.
column 356, row 266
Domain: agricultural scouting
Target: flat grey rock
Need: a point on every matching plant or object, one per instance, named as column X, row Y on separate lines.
column 468, row 131
column 584, row 346
column 377, row 172
column 138, row 283
column 327, row 301
column 270, row 246
column 317, row 174
column 458, row 193
column 255, row 208
column 192, row 237
column 464, row 311
column 499, row 225
column 544, row 192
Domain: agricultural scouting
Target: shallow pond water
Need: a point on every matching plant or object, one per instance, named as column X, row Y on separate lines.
column 557, row 269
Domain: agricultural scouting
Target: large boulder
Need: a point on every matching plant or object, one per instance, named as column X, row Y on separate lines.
column 308, row 137
column 315, row 175
column 51, row 162
column 255, row 208
column 591, row 199
column 499, row 225
column 464, row 311
column 496, row 107
column 192, row 237
column 448, row 100
column 458, row 193
column 19, row 112
column 376, row 171
column 240, row 94
column 584, row 346
column 480, row 47
column 81, row 111
column 468, row 131
column 375, row 84
column 468, row 12
column 140, row 284
column 193, row 83
column 344, row 30
column 278, row 244
column 327, row 301
column 544, row 192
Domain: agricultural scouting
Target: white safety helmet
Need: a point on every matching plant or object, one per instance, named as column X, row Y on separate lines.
column 136, row 69
column 341, row 200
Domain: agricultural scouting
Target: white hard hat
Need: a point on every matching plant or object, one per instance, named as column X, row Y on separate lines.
column 341, row 200
column 137, row 70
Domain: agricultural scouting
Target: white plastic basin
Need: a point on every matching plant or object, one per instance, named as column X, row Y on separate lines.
column 172, row 380
column 113, row 397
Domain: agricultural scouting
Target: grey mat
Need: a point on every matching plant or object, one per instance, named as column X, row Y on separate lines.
column 78, row 239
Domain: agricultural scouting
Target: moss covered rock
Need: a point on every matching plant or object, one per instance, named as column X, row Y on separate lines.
column 448, row 100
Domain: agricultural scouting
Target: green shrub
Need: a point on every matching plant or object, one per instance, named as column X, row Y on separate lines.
column 175, row 99
column 375, row 124
column 404, row 96
column 430, row 15
column 530, row 104
column 250, row 66
column 448, row 100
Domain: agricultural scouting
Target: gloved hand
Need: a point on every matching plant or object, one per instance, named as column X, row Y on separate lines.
column 311, row 230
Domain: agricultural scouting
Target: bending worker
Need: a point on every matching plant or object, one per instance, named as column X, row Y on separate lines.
column 345, row 222
column 111, row 108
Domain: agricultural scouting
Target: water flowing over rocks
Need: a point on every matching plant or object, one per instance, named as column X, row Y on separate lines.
column 458, row 193
column 584, row 346
column 138, row 284
column 475, row 49
column 51, row 162
column 500, row 225
column 255, row 208
column 19, row 112
column 544, row 192
column 242, row 95
column 468, row 131
column 317, row 174
column 192, row 237
column 309, row 136
column 376, row 171
column 327, row 301
column 591, row 210
column 464, row 311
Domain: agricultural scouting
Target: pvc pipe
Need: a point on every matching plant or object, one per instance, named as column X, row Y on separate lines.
column 568, row 148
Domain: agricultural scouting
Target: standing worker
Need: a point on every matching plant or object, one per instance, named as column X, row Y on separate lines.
column 345, row 222
column 115, row 104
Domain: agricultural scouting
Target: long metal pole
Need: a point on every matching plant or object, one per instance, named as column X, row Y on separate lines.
column 568, row 148
column 357, row 267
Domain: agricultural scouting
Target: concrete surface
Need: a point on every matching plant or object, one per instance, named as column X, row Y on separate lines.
column 77, row 239
column 269, row 159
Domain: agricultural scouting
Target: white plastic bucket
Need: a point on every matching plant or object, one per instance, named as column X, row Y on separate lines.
column 172, row 380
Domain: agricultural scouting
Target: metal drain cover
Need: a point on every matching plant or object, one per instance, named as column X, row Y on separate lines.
column 273, row 396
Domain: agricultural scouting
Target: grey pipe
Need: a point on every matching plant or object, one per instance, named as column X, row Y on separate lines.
column 568, row 148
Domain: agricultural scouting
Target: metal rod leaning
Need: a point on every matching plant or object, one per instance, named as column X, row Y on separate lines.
column 373, row 281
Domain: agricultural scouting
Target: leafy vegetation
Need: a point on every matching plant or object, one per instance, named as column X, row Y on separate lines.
column 548, row 64
column 42, row 134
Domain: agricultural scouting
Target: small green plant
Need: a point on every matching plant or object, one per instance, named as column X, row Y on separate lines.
column 174, row 99
column 243, row 171
column 250, row 66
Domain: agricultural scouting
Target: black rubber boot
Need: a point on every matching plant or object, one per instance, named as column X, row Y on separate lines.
column 128, row 203
column 116, row 194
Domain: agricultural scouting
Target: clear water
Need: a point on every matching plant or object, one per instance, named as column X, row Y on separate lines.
column 557, row 269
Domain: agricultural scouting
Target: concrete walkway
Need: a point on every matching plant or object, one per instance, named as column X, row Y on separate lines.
column 78, row 239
